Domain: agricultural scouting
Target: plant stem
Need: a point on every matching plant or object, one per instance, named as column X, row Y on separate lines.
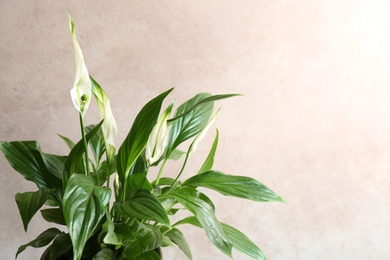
column 181, row 170
column 160, row 171
column 85, row 144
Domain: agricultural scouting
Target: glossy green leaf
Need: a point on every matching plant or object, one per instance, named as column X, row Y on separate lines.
column 188, row 220
column 42, row 240
column 148, row 238
column 68, row 142
column 96, row 143
column 190, row 121
column 135, row 183
column 209, row 162
column 150, row 255
column 26, row 158
column 136, row 140
column 203, row 101
column 104, row 254
column 83, row 205
column 74, row 163
column 194, row 201
column 242, row 243
column 30, row 202
column 230, row 185
column 54, row 215
column 178, row 238
column 61, row 245
column 143, row 205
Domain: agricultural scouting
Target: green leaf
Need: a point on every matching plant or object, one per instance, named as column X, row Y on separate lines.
column 143, row 205
column 54, row 215
column 30, row 202
column 111, row 238
column 189, row 220
column 104, row 254
column 195, row 202
column 150, row 255
column 42, row 240
column 230, row 185
column 68, row 142
column 96, row 143
column 178, row 238
column 83, row 205
column 208, row 164
column 148, row 238
column 26, row 158
column 137, row 182
column 203, row 101
column 74, row 163
column 138, row 136
column 242, row 243
column 61, row 245
column 191, row 119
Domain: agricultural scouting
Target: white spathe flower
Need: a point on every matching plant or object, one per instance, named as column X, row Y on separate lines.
column 158, row 138
column 202, row 133
column 81, row 91
column 109, row 126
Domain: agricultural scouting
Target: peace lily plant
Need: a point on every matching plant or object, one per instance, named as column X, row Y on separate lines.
column 75, row 190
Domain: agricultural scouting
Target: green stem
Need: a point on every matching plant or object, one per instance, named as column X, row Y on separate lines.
column 160, row 171
column 181, row 170
column 85, row 144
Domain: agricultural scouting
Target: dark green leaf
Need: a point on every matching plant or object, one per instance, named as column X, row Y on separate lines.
column 137, row 182
column 190, row 121
column 30, row 202
column 104, row 254
column 83, row 205
column 143, row 205
column 96, row 143
column 194, row 201
column 74, row 163
column 242, row 243
column 150, row 255
column 230, row 185
column 26, row 158
column 61, row 245
column 148, row 238
column 54, row 215
column 42, row 240
column 138, row 136
column 208, row 164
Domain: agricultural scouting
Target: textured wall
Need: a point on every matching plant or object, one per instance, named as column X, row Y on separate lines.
column 314, row 125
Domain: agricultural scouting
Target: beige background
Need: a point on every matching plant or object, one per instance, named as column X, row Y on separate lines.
column 314, row 125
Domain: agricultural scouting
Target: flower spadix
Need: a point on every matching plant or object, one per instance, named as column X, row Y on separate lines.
column 81, row 91
column 158, row 138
